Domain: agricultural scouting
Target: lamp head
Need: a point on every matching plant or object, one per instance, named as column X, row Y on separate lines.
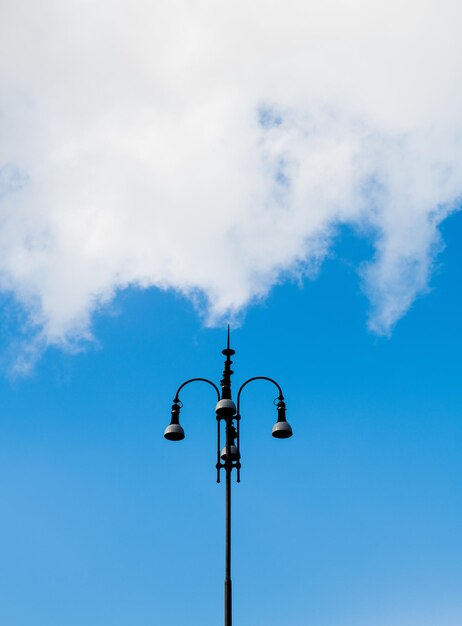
column 174, row 431
column 234, row 453
column 282, row 429
column 233, row 449
column 225, row 408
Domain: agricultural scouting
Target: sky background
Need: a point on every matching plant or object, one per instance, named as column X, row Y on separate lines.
column 354, row 521
column 294, row 170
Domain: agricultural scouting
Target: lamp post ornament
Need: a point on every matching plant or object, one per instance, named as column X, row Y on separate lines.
column 229, row 457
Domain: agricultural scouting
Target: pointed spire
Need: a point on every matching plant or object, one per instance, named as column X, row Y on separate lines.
column 228, row 351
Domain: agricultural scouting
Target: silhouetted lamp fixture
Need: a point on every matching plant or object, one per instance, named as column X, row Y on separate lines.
column 282, row 429
column 229, row 456
column 174, row 431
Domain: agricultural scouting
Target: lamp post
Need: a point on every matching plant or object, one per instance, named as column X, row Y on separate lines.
column 229, row 457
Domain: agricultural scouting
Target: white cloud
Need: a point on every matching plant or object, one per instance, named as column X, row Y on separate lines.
column 213, row 147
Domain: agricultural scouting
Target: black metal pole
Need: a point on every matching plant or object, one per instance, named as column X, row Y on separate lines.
column 226, row 394
column 226, row 411
column 228, row 584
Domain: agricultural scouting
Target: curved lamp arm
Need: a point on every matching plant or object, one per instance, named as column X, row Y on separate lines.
column 238, row 414
column 281, row 396
column 193, row 380
column 174, row 431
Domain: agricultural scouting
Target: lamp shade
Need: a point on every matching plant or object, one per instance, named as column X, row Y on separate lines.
column 174, row 432
column 234, row 453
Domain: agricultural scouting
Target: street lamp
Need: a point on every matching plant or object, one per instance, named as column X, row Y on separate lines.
column 229, row 457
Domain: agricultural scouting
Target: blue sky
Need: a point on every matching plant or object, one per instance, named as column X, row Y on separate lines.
column 354, row 521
